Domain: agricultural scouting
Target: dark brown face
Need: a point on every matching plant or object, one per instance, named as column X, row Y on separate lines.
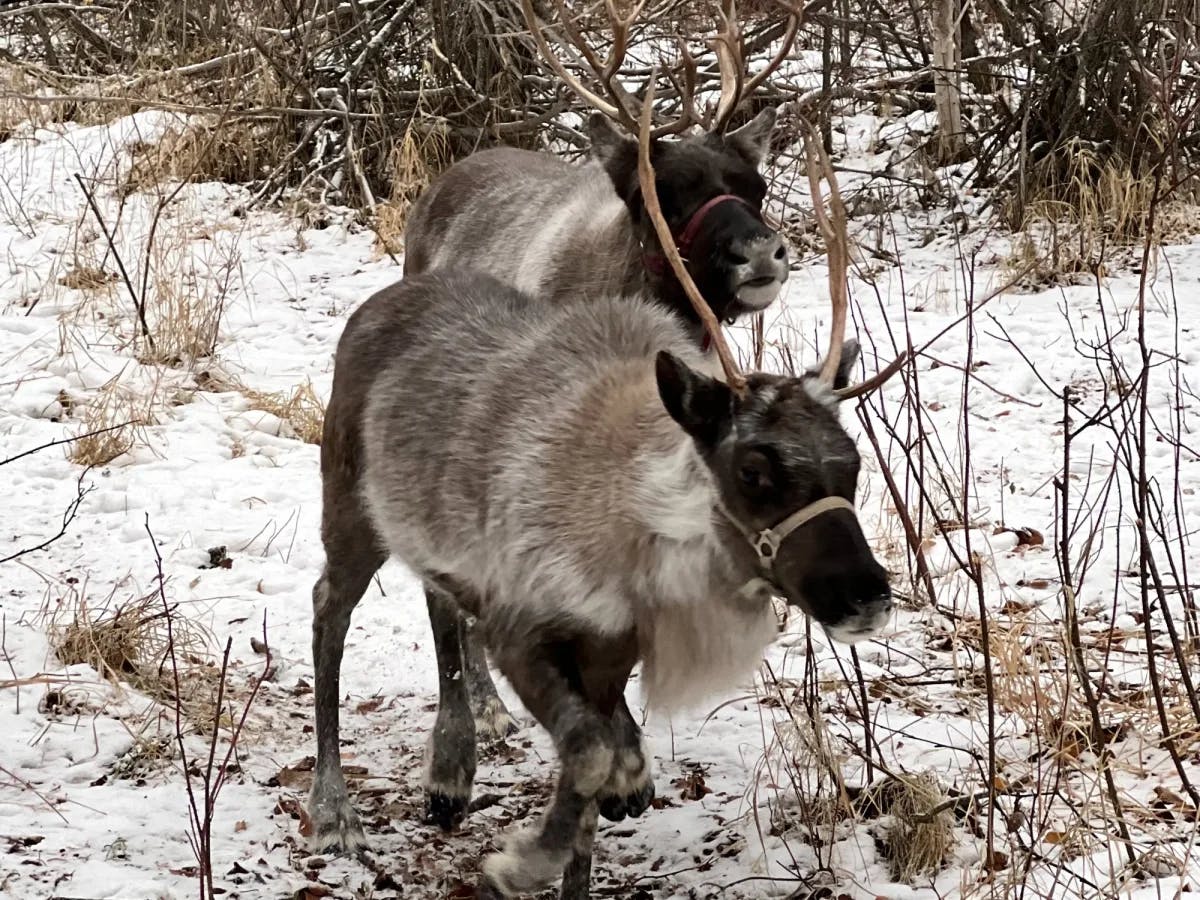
column 737, row 261
column 773, row 452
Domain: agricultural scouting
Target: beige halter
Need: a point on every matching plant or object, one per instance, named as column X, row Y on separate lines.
column 766, row 543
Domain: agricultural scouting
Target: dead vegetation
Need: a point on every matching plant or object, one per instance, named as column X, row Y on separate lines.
column 114, row 421
column 922, row 830
column 129, row 642
column 300, row 408
column 205, row 148
column 416, row 161
column 1083, row 209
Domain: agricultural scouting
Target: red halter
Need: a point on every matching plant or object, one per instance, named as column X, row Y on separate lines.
column 656, row 263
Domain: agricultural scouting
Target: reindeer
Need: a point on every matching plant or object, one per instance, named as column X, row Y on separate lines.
column 560, row 231
column 580, row 479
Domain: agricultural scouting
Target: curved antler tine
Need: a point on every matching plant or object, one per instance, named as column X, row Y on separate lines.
column 733, row 376
column 789, row 38
column 616, row 56
column 618, row 112
column 610, row 6
column 875, row 381
column 837, row 252
column 727, row 44
column 687, row 94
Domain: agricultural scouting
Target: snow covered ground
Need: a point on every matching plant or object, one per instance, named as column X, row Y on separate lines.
column 749, row 806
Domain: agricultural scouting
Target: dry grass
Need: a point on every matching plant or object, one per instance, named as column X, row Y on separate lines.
column 189, row 285
column 1073, row 223
column 300, row 408
column 185, row 323
column 415, row 162
column 113, row 423
column 233, row 151
column 802, row 770
column 87, row 278
column 922, row 833
column 17, row 84
column 128, row 642
column 147, row 756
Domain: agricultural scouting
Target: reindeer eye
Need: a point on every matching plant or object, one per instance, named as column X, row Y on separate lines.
column 754, row 473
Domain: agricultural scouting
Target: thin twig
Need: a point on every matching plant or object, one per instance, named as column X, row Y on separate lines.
column 138, row 302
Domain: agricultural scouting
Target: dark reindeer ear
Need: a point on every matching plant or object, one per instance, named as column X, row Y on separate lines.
column 851, row 350
column 701, row 405
column 617, row 153
column 753, row 139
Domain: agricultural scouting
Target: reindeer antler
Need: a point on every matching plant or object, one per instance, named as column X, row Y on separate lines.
column 733, row 375
column 620, row 105
column 731, row 58
column 622, row 108
column 727, row 45
column 837, row 252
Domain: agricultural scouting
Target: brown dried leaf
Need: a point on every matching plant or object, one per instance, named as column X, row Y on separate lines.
column 995, row 861
column 369, row 705
column 298, row 775
column 692, row 786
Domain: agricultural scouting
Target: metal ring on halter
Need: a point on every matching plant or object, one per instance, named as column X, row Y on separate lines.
column 767, row 542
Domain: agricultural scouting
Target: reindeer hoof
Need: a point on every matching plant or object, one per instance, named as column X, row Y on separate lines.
column 616, row 808
column 444, row 810
column 336, row 827
column 630, row 788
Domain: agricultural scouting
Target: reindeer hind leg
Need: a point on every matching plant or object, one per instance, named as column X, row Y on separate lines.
column 493, row 721
column 352, row 557
column 450, row 768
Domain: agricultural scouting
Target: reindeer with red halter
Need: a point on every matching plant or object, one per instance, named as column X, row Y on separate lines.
column 560, row 232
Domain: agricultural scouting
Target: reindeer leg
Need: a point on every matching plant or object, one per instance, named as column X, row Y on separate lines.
column 450, row 768
column 577, row 876
column 493, row 722
column 547, row 680
column 351, row 558
column 630, row 788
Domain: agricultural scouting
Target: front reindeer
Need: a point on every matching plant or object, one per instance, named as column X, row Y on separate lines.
column 597, row 498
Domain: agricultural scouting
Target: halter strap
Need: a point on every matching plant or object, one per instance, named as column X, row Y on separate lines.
column 692, row 229
column 656, row 263
column 766, row 543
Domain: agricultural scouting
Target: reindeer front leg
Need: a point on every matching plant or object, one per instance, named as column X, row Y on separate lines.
column 630, row 788
column 548, row 681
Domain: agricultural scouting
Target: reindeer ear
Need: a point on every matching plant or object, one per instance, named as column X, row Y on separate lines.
column 753, row 139
column 614, row 151
column 701, row 405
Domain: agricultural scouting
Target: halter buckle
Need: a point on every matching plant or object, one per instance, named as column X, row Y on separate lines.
column 766, row 545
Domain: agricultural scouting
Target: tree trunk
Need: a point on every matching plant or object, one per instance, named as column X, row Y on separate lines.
column 947, row 61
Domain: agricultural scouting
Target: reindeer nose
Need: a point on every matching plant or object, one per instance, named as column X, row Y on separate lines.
column 762, row 254
column 759, row 266
column 867, row 619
